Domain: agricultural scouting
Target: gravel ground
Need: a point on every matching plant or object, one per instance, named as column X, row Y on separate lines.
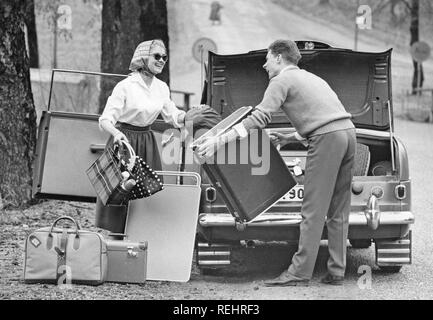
column 252, row 265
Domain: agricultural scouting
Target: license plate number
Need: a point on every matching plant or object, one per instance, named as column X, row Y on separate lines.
column 295, row 194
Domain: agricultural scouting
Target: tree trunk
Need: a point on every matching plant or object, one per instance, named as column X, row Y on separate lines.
column 125, row 24
column 32, row 37
column 17, row 111
column 414, row 37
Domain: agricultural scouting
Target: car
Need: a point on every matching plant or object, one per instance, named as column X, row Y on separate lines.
column 381, row 188
column 69, row 141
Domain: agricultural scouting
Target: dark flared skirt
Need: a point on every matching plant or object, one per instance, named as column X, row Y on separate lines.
column 142, row 140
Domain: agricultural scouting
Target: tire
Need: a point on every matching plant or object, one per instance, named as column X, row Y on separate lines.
column 390, row 269
column 360, row 243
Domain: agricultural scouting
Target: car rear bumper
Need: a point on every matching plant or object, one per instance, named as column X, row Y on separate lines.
column 294, row 219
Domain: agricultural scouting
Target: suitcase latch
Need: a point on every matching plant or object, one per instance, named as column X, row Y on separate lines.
column 240, row 225
column 131, row 252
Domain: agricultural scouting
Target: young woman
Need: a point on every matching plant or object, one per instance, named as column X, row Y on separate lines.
column 136, row 102
column 133, row 106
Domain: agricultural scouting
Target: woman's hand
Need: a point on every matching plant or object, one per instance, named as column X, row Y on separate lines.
column 119, row 137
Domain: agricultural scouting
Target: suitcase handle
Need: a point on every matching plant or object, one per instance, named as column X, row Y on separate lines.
column 77, row 226
column 94, row 148
column 193, row 175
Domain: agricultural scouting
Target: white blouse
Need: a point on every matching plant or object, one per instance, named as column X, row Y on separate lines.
column 133, row 102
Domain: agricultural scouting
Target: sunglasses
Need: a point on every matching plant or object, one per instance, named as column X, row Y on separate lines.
column 158, row 57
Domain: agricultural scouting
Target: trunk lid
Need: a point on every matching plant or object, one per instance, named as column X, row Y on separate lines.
column 362, row 81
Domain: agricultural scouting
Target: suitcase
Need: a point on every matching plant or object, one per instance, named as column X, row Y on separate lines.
column 55, row 255
column 167, row 221
column 246, row 189
column 127, row 261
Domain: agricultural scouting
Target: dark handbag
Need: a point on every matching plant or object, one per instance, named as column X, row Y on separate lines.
column 147, row 181
column 105, row 175
column 202, row 117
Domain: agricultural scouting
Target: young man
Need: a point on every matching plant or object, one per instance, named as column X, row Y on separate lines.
column 320, row 120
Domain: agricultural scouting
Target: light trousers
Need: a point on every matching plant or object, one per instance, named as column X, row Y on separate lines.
column 327, row 186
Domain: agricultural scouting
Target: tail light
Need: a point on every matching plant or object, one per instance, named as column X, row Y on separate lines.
column 210, row 194
column 400, row 192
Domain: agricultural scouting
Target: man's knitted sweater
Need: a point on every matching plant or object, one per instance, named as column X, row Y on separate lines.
column 308, row 101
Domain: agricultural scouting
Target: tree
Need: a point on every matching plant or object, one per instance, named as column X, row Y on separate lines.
column 126, row 23
column 17, row 111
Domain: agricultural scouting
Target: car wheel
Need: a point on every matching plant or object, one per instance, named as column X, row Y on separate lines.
column 390, row 269
column 360, row 243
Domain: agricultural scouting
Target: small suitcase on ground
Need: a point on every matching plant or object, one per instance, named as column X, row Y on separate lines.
column 127, row 261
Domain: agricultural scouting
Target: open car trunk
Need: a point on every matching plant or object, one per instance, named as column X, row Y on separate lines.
column 361, row 80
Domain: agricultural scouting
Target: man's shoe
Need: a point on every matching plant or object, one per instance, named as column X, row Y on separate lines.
column 286, row 279
column 333, row 280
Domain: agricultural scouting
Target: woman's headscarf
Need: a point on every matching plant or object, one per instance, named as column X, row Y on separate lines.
column 140, row 59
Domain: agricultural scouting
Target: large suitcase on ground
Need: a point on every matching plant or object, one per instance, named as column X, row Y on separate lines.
column 65, row 255
column 247, row 186
column 127, row 261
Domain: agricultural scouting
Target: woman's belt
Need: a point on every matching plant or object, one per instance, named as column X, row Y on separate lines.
column 127, row 126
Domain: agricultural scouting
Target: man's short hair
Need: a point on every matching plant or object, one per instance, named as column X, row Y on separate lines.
column 288, row 50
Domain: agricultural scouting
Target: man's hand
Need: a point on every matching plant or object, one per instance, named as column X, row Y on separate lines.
column 206, row 148
column 282, row 139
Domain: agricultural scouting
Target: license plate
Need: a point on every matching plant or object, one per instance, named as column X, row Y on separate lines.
column 295, row 194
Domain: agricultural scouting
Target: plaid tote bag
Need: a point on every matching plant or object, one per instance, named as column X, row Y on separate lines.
column 105, row 175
